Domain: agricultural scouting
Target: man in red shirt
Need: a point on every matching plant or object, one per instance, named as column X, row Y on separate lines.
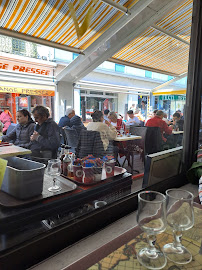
column 157, row 121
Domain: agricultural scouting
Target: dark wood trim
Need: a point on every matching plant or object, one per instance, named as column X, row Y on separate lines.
column 194, row 88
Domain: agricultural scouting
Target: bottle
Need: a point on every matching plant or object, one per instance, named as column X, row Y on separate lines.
column 62, row 154
column 70, row 166
column 66, row 160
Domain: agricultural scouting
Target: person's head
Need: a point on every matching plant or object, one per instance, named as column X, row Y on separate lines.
column 106, row 112
column 154, row 112
column 160, row 114
column 40, row 114
column 97, row 116
column 70, row 112
column 176, row 116
column 130, row 114
column 23, row 117
column 165, row 115
column 113, row 117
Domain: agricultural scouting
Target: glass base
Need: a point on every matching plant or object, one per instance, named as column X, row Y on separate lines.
column 152, row 260
column 54, row 188
column 178, row 255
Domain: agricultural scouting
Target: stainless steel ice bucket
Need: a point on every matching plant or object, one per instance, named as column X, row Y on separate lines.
column 23, row 178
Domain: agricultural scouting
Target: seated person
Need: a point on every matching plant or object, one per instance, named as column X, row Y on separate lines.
column 157, row 121
column 71, row 120
column 113, row 119
column 133, row 120
column 1, row 128
column 107, row 130
column 20, row 135
column 5, row 119
column 106, row 113
column 46, row 136
column 178, row 122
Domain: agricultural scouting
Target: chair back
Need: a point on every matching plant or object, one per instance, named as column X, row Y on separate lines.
column 10, row 128
column 153, row 140
column 90, row 143
column 72, row 137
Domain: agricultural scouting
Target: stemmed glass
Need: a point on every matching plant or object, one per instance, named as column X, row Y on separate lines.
column 151, row 218
column 53, row 169
column 180, row 217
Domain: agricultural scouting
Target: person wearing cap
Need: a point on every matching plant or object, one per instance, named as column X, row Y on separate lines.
column 133, row 120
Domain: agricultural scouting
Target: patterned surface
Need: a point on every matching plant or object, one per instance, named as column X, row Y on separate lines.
column 124, row 258
column 51, row 20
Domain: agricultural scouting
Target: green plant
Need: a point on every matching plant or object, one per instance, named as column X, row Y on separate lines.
column 195, row 172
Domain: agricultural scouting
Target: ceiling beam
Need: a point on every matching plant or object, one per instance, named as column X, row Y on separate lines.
column 41, row 41
column 169, row 82
column 166, row 32
column 143, row 14
column 125, row 63
column 117, row 6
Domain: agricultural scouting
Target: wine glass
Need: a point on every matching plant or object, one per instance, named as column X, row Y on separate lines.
column 53, row 169
column 151, row 218
column 180, row 217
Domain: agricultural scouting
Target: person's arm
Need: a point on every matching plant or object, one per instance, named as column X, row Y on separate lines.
column 166, row 129
column 10, row 137
column 53, row 139
column 111, row 131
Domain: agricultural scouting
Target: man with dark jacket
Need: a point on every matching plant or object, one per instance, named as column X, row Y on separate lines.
column 46, row 136
column 71, row 120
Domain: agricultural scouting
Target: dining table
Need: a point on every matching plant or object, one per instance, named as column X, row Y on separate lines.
column 122, row 143
column 12, row 150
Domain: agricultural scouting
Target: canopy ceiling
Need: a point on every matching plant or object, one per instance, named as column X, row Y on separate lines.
column 162, row 46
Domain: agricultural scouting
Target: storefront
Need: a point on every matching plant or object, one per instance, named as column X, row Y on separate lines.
column 25, row 84
column 170, row 102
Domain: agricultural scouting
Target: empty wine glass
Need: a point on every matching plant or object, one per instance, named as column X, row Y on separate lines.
column 151, row 218
column 180, row 217
column 53, row 169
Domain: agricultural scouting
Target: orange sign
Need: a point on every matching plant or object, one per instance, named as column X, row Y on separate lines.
column 26, row 91
column 26, row 69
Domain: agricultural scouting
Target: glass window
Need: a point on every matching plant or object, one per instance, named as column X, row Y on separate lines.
column 75, row 55
column 119, row 68
column 148, row 74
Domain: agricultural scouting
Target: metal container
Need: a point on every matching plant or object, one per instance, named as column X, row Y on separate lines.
column 23, row 178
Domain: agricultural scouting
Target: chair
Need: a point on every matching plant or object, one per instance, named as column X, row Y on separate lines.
column 10, row 128
column 72, row 138
column 153, row 140
column 139, row 145
column 90, row 143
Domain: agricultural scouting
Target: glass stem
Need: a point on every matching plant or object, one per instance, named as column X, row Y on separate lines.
column 151, row 241
column 177, row 239
column 54, row 180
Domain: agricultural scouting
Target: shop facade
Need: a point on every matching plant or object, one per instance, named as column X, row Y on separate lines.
column 170, row 102
column 25, row 83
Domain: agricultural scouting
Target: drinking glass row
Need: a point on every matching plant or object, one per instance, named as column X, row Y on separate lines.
column 155, row 211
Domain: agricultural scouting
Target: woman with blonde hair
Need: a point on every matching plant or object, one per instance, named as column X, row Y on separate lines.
column 106, row 130
column 115, row 121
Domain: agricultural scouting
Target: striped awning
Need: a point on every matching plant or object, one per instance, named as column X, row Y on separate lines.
column 153, row 50
column 156, row 50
